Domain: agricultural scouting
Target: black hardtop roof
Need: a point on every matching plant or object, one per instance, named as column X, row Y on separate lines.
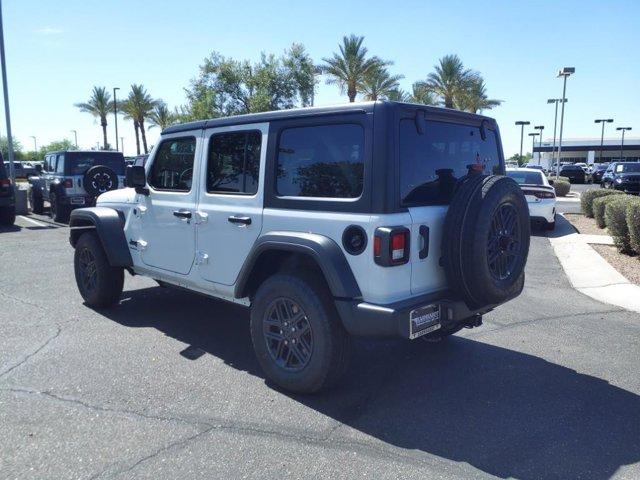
column 84, row 151
column 347, row 108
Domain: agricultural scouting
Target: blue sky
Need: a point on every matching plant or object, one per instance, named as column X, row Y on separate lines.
column 57, row 51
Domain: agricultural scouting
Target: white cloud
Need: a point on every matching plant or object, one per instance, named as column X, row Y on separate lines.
column 48, row 31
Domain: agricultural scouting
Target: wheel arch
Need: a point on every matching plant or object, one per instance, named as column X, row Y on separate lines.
column 276, row 250
column 108, row 225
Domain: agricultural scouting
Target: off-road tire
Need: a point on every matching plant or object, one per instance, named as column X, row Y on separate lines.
column 465, row 241
column 58, row 212
column 99, row 179
column 36, row 201
column 106, row 289
column 7, row 216
column 331, row 347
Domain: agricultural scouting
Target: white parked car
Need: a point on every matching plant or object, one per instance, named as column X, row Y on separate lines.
column 541, row 197
column 326, row 223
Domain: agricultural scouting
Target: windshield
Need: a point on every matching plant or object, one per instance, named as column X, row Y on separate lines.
column 80, row 162
column 628, row 168
column 433, row 161
column 526, row 178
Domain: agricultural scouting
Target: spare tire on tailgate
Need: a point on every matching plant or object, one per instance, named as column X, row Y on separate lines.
column 486, row 240
column 99, row 179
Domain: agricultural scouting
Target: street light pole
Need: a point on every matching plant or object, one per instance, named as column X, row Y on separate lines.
column 555, row 123
column 115, row 114
column 533, row 142
column 35, row 145
column 539, row 127
column 5, row 91
column 522, row 123
column 565, row 72
column 75, row 134
column 623, row 129
column 602, row 121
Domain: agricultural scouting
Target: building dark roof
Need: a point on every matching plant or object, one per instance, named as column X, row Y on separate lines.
column 361, row 107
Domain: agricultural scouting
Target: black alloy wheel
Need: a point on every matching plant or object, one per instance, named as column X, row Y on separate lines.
column 288, row 334
column 88, row 270
column 503, row 244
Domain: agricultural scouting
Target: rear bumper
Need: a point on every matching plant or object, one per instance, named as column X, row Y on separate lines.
column 8, row 201
column 77, row 200
column 371, row 320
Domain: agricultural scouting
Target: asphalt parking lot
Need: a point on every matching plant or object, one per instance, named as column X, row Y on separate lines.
column 166, row 386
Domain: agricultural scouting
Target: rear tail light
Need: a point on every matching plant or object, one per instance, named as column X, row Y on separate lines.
column 539, row 193
column 391, row 246
column 68, row 183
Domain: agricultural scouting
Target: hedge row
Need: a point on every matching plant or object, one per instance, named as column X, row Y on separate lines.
column 587, row 198
column 621, row 215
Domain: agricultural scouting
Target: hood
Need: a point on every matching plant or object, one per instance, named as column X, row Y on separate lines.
column 122, row 195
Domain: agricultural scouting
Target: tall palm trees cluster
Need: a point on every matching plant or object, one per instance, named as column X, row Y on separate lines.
column 138, row 106
column 358, row 74
column 450, row 84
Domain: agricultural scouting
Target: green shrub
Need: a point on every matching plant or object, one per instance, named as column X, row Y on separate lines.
column 633, row 223
column 616, row 221
column 587, row 198
column 561, row 187
column 599, row 205
column 553, row 178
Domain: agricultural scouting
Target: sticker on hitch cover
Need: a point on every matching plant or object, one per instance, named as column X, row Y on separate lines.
column 424, row 320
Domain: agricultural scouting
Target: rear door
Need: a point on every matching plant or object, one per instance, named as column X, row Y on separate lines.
column 433, row 156
column 231, row 199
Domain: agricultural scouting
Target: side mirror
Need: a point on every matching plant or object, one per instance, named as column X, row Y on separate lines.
column 136, row 177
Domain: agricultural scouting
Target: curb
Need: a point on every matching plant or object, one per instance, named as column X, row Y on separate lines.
column 588, row 272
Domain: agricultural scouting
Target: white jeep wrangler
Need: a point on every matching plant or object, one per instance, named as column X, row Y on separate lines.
column 374, row 219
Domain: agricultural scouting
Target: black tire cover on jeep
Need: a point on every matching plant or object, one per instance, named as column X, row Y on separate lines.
column 486, row 240
column 99, row 179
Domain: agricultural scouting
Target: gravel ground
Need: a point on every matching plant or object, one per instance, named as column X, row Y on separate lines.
column 625, row 264
column 585, row 225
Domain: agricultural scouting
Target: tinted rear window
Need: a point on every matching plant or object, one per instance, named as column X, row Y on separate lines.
column 432, row 162
column 321, row 161
column 78, row 163
column 526, row 178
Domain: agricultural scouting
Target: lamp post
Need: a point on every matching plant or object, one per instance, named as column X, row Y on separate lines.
column 5, row 91
column 533, row 142
column 602, row 121
column 75, row 134
column 115, row 114
column 522, row 123
column 541, row 128
column 35, row 145
column 623, row 129
column 555, row 123
column 564, row 73
column 122, row 143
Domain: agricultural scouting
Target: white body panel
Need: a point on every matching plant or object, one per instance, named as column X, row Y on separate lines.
column 541, row 207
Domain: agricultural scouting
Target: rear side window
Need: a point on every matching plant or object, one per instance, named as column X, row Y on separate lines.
column 234, row 162
column 321, row 161
column 172, row 167
column 433, row 161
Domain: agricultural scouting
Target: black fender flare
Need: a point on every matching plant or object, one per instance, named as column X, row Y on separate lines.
column 326, row 253
column 36, row 184
column 108, row 224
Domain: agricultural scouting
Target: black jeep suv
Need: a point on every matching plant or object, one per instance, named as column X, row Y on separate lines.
column 7, row 197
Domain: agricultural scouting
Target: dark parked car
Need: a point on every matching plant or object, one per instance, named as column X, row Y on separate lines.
column 598, row 171
column 574, row 173
column 623, row 176
column 7, row 197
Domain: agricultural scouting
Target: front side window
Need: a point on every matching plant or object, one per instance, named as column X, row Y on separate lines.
column 321, row 161
column 172, row 167
column 434, row 159
column 234, row 162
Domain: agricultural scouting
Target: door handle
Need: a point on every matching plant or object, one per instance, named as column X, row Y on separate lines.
column 185, row 214
column 424, row 234
column 240, row 219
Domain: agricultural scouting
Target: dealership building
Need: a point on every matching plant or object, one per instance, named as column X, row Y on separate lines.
column 587, row 150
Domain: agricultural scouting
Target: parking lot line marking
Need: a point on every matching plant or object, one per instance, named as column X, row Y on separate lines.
column 35, row 222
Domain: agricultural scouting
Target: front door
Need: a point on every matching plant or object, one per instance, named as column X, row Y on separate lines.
column 230, row 203
column 168, row 238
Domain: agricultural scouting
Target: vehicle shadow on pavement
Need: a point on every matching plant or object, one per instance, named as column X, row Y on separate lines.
column 507, row 413
column 9, row 228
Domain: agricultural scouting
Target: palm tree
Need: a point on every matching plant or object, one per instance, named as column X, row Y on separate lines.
column 399, row 95
column 128, row 110
column 421, row 94
column 378, row 83
column 140, row 105
column 474, row 98
column 449, row 79
column 99, row 105
column 161, row 116
column 349, row 68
